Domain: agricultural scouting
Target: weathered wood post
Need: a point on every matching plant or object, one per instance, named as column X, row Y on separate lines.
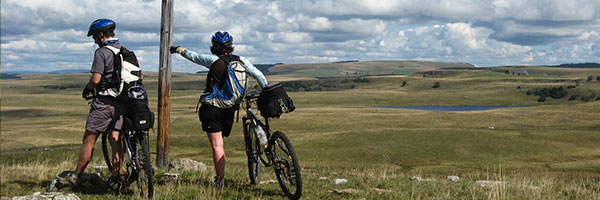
column 164, row 85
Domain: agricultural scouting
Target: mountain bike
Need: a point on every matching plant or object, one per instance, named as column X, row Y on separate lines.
column 278, row 152
column 137, row 166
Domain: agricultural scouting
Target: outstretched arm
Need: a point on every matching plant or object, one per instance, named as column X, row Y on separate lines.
column 205, row 60
column 254, row 72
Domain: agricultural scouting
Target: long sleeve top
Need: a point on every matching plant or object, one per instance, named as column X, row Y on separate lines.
column 207, row 60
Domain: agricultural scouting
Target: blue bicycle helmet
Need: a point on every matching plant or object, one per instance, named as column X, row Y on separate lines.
column 222, row 39
column 101, row 25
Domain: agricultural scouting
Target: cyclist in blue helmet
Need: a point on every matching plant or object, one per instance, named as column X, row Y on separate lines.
column 106, row 111
column 217, row 122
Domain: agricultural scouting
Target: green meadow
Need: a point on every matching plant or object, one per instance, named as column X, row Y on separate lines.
column 546, row 150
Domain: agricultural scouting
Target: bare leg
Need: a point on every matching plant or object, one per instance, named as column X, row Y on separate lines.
column 117, row 152
column 216, row 142
column 86, row 152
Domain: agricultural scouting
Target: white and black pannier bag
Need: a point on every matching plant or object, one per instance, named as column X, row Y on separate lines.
column 137, row 110
column 274, row 101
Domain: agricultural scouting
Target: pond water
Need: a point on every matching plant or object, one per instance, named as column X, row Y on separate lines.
column 449, row 108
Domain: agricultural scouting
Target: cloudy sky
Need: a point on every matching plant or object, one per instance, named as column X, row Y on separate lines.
column 46, row 35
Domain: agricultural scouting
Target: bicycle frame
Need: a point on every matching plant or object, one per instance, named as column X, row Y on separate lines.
column 250, row 115
column 128, row 136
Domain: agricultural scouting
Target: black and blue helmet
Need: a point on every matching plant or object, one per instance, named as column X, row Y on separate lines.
column 101, row 25
column 222, row 39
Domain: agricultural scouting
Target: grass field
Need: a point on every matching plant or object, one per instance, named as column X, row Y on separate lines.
column 549, row 150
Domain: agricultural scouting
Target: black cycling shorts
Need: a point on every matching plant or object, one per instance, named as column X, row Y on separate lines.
column 216, row 119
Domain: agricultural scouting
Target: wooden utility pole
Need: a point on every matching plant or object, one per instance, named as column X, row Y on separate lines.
column 164, row 85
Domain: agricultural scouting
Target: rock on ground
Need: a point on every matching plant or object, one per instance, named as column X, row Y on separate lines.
column 171, row 176
column 186, row 164
column 270, row 181
column 339, row 181
column 46, row 196
column 419, row 179
column 346, row 191
column 382, row 191
column 485, row 183
column 452, row 178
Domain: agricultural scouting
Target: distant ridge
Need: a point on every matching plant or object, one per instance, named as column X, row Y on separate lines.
column 578, row 65
column 69, row 71
column 63, row 71
column 362, row 68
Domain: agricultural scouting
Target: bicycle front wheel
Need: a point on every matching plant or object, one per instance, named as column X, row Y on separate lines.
column 253, row 152
column 145, row 181
column 286, row 165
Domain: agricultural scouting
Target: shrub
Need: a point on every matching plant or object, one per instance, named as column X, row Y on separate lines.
column 403, row 83
column 590, row 78
column 558, row 92
column 573, row 97
column 542, row 99
column 436, row 85
column 587, row 98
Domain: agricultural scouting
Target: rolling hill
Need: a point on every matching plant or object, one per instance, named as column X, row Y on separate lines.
column 356, row 68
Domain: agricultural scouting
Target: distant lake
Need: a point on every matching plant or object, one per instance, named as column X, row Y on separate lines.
column 449, row 108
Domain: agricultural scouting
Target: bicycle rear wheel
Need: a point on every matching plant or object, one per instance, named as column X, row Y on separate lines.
column 106, row 151
column 252, row 152
column 145, row 173
column 286, row 165
column 107, row 148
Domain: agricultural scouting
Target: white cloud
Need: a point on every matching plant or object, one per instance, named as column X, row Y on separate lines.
column 52, row 34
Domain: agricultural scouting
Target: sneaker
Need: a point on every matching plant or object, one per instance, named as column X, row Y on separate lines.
column 71, row 178
column 66, row 178
column 54, row 185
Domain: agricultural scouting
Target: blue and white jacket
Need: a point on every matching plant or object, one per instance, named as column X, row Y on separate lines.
column 207, row 60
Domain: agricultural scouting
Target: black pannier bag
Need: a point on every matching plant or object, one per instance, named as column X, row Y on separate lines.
column 137, row 110
column 273, row 101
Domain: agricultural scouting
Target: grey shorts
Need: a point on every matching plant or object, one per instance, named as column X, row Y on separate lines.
column 102, row 113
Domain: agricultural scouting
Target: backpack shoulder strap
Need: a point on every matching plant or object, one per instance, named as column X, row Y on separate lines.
column 114, row 49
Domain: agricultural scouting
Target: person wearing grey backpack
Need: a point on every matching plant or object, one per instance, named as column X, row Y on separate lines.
column 225, row 87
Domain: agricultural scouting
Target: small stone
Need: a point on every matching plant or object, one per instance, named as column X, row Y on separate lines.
column 339, row 181
column 381, row 191
column 485, row 183
column 419, row 179
column 452, row 178
column 171, row 176
column 491, row 127
column 186, row 164
column 48, row 196
column 323, row 178
column 270, row 181
column 346, row 191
